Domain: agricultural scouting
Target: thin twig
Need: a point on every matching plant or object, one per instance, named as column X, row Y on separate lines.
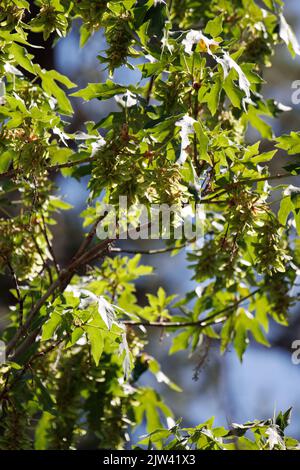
column 87, row 241
column 199, row 323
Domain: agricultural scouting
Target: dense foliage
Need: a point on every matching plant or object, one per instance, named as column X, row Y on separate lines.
column 76, row 334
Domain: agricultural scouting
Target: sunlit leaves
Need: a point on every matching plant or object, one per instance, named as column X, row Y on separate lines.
column 212, row 95
column 203, row 43
column 178, row 137
column 51, row 325
column 52, row 17
column 154, row 409
column 187, row 127
column 101, row 91
column 96, row 341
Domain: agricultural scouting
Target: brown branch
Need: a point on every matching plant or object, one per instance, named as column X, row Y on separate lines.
column 50, row 248
column 18, row 290
column 147, row 252
column 61, row 282
column 17, row 171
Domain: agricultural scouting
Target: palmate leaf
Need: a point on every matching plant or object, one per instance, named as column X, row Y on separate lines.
column 212, row 97
column 22, row 57
column 5, row 160
column 50, row 86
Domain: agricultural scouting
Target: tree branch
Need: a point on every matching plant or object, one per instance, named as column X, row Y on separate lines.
column 18, row 290
column 221, row 191
column 147, row 252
